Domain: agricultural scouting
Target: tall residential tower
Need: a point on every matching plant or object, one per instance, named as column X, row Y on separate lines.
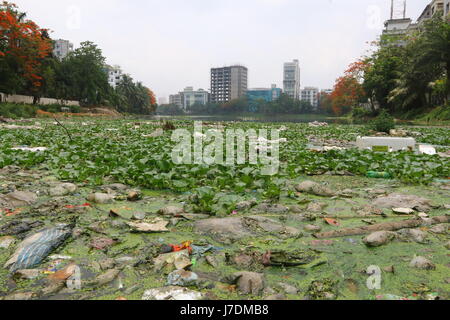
column 291, row 79
column 228, row 83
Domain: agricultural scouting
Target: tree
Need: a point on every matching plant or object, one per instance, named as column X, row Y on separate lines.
column 348, row 90
column 23, row 46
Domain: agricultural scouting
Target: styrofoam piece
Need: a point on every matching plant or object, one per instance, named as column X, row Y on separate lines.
column 393, row 143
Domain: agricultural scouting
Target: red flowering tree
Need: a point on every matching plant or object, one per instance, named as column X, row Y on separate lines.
column 348, row 90
column 23, row 46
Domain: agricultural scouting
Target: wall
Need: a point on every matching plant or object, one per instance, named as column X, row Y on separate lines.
column 15, row 98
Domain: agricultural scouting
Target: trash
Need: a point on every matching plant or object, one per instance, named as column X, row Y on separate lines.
column 173, row 261
column 86, row 205
column 379, row 175
column 157, row 225
column 392, row 297
column 398, row 200
column 389, row 143
column 38, row 149
column 172, row 293
column 318, row 124
column 63, row 274
column 427, row 149
column 100, row 198
column 405, row 211
column 35, row 248
column 182, row 278
column 332, row 222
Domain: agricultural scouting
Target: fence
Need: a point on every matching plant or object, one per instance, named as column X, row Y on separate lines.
column 15, row 98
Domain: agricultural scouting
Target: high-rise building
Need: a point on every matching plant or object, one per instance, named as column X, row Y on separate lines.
column 311, row 95
column 291, row 79
column 114, row 75
column 228, row 83
column 176, row 99
column 61, row 48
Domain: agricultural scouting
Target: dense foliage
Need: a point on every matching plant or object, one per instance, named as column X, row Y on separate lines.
column 29, row 67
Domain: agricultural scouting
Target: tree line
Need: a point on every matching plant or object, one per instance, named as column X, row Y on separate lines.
column 405, row 75
column 29, row 67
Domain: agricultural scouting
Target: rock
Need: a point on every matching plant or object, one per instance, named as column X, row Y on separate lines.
column 369, row 210
column 316, row 207
column 63, row 189
column 447, row 245
column 439, row 229
column 172, row 261
column 106, row 277
column 20, row 296
column 19, row 198
column 296, row 209
column 100, row 198
column 312, row 228
column 171, row 211
column 405, row 211
column 172, row 293
column 288, row 289
column 27, row 274
column 245, row 205
column 226, row 229
column 398, row 200
column 182, row 278
column 314, row 189
column 6, row 242
column 102, row 243
column 134, row 196
column 270, row 208
column 139, row 215
column 276, row 297
column 415, row 235
column 157, row 225
column 422, row 263
column 250, row 282
column 116, row 187
column 390, row 269
column 107, row 264
column 379, row 238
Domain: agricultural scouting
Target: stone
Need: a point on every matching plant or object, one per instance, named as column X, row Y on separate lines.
column 379, row 238
column 439, row 229
column 19, row 198
column 157, row 225
column 173, row 261
column 369, row 210
column 6, row 242
column 314, row 189
column 139, row 215
column 415, row 235
column 27, row 273
column 422, row 263
column 106, row 277
column 63, row 189
column 171, row 211
column 100, row 198
column 107, row 264
column 316, row 207
column 172, row 293
column 250, row 282
column 276, row 297
column 288, row 289
column 134, row 196
column 398, row 200
column 312, row 228
column 447, row 245
column 182, row 278
column 117, row 187
column 20, row 296
column 225, row 229
column 102, row 243
column 245, row 205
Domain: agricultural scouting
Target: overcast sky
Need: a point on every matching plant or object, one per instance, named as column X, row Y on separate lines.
column 171, row 44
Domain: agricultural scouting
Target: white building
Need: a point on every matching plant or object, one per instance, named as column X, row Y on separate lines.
column 191, row 97
column 311, row 95
column 291, row 79
column 61, row 48
column 115, row 75
column 176, row 99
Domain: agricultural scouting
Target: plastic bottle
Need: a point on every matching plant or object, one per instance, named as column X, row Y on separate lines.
column 379, row 175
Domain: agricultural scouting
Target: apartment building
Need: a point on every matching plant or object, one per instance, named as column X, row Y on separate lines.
column 228, row 83
column 291, row 79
